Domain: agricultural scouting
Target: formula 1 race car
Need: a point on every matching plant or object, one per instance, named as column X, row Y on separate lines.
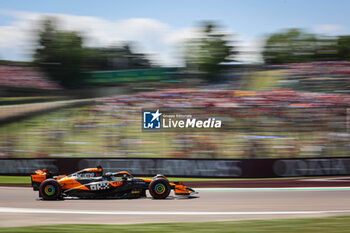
column 92, row 183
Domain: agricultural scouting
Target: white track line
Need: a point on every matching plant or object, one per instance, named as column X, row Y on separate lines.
column 329, row 179
column 89, row 212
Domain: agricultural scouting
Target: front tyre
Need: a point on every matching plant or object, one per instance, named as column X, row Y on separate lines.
column 159, row 188
column 50, row 189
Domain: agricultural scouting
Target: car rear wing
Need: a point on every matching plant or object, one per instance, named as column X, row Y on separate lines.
column 38, row 177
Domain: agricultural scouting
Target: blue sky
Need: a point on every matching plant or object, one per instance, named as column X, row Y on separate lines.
column 249, row 20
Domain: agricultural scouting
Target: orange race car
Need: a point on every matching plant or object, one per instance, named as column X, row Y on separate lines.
column 92, row 183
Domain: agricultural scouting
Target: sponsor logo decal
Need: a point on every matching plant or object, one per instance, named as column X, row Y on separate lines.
column 85, row 175
column 99, row 186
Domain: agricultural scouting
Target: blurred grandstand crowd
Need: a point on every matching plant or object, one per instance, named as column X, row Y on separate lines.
column 281, row 122
column 270, row 123
column 255, row 124
column 316, row 76
column 25, row 77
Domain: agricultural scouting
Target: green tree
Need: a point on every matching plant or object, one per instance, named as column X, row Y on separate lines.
column 293, row 45
column 61, row 54
column 344, row 48
column 206, row 53
column 118, row 58
column 327, row 48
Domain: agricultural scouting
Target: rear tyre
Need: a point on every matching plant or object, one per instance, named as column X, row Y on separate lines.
column 50, row 189
column 159, row 188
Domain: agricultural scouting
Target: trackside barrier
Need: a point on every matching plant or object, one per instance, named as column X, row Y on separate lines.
column 209, row 168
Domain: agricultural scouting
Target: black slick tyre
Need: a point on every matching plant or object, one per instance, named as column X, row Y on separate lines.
column 50, row 189
column 159, row 188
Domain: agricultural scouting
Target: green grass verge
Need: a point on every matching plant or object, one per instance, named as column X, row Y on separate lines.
column 265, row 80
column 319, row 225
column 26, row 98
column 14, row 179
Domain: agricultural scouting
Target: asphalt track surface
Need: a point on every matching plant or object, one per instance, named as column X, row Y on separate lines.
column 21, row 207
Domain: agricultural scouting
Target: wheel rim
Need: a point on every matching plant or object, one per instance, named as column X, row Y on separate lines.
column 160, row 188
column 50, row 190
